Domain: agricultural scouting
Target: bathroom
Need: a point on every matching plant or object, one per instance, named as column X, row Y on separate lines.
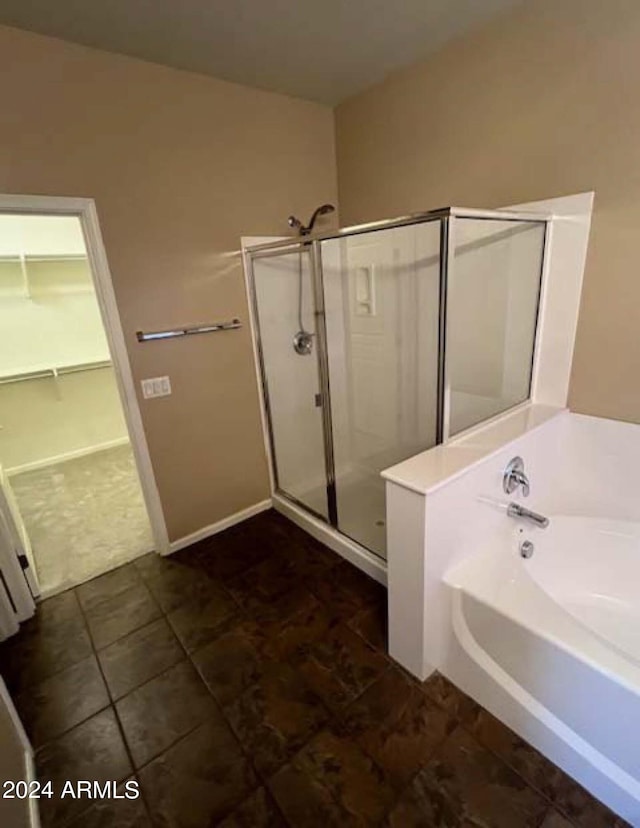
column 177, row 163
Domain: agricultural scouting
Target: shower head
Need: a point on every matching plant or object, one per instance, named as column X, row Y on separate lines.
column 304, row 230
column 320, row 211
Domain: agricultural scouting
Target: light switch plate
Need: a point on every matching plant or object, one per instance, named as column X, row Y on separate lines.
column 156, row 387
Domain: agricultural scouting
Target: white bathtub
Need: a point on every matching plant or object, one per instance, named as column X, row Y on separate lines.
column 551, row 645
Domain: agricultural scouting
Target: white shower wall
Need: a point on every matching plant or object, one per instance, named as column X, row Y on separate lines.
column 493, row 290
column 382, row 357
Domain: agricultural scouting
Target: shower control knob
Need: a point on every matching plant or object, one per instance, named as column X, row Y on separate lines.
column 526, row 549
column 303, row 343
column 514, row 477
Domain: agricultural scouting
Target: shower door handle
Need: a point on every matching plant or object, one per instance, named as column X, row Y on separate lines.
column 318, row 400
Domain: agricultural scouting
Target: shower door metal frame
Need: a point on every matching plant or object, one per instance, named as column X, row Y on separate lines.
column 325, row 386
column 313, row 249
column 447, row 217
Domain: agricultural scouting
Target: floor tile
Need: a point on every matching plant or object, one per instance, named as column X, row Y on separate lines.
column 146, row 565
column 62, row 701
column 371, row 624
column 396, row 724
column 175, row 584
column 228, row 554
column 464, row 785
column 114, row 617
column 307, row 560
column 265, row 582
column 139, row 656
column 302, row 629
column 366, row 590
column 290, row 680
column 162, row 710
column 93, row 751
column 275, row 717
column 273, row 616
column 257, row 811
column 231, row 663
column 199, row 620
column 198, row 780
column 108, row 585
column 332, row 782
column 340, row 665
column 521, row 756
column 447, row 695
column 114, row 813
column 305, row 801
column 339, row 601
column 581, row 808
column 555, row 820
column 54, row 639
column 347, row 591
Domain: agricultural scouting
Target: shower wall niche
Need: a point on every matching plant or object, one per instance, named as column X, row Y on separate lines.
column 420, row 328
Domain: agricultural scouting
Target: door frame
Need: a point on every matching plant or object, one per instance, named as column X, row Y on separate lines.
column 85, row 210
column 31, row 810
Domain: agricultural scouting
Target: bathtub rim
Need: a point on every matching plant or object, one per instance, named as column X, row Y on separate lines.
column 531, row 591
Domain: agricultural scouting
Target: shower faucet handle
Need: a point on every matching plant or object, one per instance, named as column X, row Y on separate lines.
column 515, row 477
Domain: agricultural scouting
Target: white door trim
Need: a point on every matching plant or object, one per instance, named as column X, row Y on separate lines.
column 85, row 210
column 6, row 702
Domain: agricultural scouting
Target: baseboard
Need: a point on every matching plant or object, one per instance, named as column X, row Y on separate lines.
column 220, row 526
column 69, row 455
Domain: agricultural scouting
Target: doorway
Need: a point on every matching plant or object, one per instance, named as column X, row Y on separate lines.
column 74, row 465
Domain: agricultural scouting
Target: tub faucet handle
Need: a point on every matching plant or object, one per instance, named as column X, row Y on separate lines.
column 514, row 477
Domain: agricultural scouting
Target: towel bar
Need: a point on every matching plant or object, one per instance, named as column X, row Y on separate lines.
column 212, row 327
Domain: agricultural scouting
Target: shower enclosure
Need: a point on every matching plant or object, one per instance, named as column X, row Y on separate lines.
column 418, row 328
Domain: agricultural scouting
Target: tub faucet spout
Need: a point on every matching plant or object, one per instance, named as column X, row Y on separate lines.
column 515, row 510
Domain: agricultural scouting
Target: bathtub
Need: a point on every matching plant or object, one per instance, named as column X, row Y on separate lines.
column 551, row 645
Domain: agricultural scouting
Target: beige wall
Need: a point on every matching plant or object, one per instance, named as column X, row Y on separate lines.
column 542, row 102
column 180, row 167
column 49, row 420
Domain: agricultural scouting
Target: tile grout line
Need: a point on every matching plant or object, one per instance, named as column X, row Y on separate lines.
column 551, row 802
column 262, row 778
column 115, row 712
column 333, row 717
column 143, row 583
column 188, row 658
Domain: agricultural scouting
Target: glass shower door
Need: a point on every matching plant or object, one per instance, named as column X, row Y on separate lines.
column 382, row 303
column 492, row 310
column 288, row 345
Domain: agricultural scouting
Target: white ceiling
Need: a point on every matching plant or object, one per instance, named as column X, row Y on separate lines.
column 325, row 50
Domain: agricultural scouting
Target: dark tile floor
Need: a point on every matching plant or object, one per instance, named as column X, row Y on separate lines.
column 245, row 682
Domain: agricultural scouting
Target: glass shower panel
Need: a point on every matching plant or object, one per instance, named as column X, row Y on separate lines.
column 381, row 293
column 492, row 308
column 284, row 299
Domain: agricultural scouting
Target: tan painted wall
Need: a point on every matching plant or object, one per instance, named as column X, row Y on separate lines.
column 542, row 102
column 180, row 166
